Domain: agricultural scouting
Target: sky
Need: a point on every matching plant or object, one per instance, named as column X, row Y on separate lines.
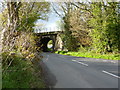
column 51, row 23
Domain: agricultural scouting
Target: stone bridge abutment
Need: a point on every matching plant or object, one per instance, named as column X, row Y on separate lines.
column 45, row 38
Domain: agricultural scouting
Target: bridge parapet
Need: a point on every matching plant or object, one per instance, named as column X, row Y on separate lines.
column 48, row 30
column 45, row 35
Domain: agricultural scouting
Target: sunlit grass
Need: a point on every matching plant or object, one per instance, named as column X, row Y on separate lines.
column 91, row 55
column 20, row 74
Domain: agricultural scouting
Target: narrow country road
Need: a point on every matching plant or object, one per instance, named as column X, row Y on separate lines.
column 63, row 71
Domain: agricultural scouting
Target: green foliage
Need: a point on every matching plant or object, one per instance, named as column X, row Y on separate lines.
column 20, row 74
column 75, row 25
column 19, row 66
column 105, row 33
column 68, row 39
column 30, row 12
column 91, row 55
column 79, row 29
column 50, row 42
column 61, row 52
column 95, row 27
column 19, row 57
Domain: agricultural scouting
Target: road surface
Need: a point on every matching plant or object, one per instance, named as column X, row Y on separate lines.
column 62, row 71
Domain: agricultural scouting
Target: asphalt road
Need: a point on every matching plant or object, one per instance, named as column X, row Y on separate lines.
column 63, row 71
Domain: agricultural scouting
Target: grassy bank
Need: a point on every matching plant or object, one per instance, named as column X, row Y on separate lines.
column 21, row 73
column 91, row 55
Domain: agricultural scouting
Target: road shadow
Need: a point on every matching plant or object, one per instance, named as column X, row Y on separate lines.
column 49, row 78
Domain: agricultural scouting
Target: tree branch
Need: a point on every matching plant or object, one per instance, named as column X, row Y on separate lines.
column 56, row 11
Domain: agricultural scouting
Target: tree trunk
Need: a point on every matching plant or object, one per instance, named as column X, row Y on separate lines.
column 12, row 25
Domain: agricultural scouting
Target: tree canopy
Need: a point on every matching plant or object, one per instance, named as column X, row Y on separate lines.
column 94, row 25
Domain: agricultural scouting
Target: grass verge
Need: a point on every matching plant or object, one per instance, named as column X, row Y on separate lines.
column 91, row 55
column 20, row 74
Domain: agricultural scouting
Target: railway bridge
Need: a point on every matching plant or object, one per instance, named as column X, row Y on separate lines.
column 45, row 35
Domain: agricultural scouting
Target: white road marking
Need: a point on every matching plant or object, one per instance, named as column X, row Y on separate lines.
column 105, row 60
column 113, row 62
column 110, row 74
column 48, row 55
column 80, row 63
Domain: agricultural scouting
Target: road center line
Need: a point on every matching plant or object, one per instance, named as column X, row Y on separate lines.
column 110, row 74
column 80, row 63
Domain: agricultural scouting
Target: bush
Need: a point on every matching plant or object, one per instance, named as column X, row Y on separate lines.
column 19, row 64
column 91, row 55
column 20, row 73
